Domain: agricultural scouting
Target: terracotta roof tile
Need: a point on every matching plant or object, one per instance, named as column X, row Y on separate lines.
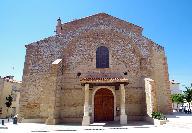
column 103, row 77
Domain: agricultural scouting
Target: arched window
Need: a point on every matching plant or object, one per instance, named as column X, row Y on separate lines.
column 102, row 57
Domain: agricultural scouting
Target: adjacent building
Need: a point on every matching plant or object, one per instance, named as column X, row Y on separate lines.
column 98, row 68
column 9, row 86
column 175, row 87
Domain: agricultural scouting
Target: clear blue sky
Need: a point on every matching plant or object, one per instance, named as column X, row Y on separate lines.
column 167, row 22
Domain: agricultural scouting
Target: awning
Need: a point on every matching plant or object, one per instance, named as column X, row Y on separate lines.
column 103, row 78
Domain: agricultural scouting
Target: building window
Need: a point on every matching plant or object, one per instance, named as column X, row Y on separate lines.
column 102, row 57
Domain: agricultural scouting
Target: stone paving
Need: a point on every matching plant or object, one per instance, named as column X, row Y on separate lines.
column 178, row 123
column 179, row 120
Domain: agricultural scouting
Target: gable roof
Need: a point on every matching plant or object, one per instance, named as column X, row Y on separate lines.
column 101, row 18
column 91, row 22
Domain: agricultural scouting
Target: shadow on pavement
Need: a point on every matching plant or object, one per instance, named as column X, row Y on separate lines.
column 117, row 124
column 177, row 115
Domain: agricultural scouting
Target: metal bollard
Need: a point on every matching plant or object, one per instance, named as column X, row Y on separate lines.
column 2, row 122
column 15, row 120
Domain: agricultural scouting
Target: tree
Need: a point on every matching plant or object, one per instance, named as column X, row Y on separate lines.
column 177, row 98
column 8, row 102
column 173, row 98
column 188, row 94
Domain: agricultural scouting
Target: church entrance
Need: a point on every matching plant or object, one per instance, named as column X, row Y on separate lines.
column 103, row 105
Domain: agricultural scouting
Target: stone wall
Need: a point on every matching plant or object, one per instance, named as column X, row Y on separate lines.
column 1, row 91
column 135, row 103
column 36, row 75
column 72, row 101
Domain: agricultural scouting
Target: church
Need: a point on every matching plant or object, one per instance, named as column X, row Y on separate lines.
column 94, row 69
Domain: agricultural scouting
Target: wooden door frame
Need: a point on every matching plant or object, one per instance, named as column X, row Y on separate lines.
column 93, row 100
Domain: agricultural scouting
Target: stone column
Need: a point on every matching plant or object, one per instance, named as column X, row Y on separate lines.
column 123, row 116
column 86, row 117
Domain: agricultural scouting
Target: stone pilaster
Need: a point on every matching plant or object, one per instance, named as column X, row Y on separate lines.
column 52, row 104
column 86, row 117
column 123, row 116
column 151, row 98
column 54, row 91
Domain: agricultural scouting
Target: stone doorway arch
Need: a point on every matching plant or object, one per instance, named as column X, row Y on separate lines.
column 104, row 104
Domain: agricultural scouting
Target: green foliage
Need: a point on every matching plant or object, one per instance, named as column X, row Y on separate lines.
column 8, row 102
column 158, row 115
column 177, row 98
column 188, row 94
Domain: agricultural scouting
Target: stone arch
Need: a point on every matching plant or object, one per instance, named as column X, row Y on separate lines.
column 93, row 96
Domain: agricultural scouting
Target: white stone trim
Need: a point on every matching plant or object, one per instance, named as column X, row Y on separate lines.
column 57, row 61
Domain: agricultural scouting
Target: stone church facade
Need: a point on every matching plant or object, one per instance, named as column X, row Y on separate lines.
column 98, row 68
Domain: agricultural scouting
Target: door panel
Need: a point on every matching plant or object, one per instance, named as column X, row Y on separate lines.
column 104, row 105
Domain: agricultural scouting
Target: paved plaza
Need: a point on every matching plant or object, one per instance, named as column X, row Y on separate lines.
column 178, row 123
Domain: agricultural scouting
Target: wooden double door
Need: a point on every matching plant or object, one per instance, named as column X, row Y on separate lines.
column 103, row 105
